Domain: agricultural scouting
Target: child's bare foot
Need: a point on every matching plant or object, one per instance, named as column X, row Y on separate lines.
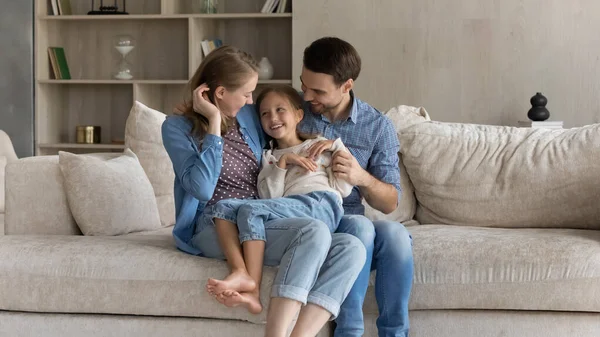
column 249, row 300
column 238, row 281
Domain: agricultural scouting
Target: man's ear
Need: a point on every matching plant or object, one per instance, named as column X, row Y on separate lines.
column 300, row 114
column 219, row 92
column 348, row 85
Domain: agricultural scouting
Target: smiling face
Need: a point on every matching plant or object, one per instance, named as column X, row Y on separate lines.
column 278, row 117
column 231, row 101
column 321, row 91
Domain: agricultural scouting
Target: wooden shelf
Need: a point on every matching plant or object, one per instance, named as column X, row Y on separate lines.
column 168, row 16
column 82, row 146
column 168, row 36
column 177, row 82
column 113, row 81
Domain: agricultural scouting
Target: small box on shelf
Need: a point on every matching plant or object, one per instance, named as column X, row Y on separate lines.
column 541, row 125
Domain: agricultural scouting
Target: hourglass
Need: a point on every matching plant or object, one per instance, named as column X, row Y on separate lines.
column 124, row 44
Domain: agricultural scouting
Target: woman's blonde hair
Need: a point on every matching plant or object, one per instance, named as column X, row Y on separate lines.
column 225, row 66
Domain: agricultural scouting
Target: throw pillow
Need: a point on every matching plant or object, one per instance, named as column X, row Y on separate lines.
column 109, row 196
column 2, row 168
column 402, row 117
column 143, row 137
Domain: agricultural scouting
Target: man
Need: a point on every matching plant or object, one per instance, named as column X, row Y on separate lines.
column 330, row 67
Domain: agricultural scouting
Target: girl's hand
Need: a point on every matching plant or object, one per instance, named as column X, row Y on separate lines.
column 294, row 159
column 202, row 104
column 315, row 150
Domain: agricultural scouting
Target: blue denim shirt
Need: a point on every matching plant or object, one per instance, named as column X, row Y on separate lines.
column 371, row 138
column 197, row 165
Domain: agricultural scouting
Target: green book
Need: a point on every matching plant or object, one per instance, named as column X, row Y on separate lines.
column 61, row 59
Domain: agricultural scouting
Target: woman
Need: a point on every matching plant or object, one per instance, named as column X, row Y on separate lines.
column 215, row 147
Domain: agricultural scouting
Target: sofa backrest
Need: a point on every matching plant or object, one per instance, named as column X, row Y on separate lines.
column 500, row 176
column 36, row 202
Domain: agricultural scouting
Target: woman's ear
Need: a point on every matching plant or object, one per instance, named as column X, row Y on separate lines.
column 219, row 92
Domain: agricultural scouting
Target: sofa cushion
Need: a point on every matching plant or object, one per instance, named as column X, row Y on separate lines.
column 483, row 175
column 141, row 274
column 109, row 196
column 2, row 169
column 143, row 137
column 36, row 183
column 503, row 269
column 402, row 117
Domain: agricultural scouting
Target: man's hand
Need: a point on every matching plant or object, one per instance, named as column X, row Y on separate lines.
column 346, row 167
column 315, row 150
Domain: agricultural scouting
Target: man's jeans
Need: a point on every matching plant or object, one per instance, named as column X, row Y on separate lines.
column 389, row 251
column 315, row 266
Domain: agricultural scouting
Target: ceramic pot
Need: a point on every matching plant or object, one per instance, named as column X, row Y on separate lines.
column 265, row 69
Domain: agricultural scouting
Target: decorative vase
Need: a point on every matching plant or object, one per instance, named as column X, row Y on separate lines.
column 265, row 69
column 209, row 6
column 538, row 111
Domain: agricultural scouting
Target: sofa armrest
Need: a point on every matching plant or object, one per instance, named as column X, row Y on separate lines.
column 36, row 202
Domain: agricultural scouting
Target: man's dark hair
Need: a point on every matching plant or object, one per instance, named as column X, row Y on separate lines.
column 333, row 56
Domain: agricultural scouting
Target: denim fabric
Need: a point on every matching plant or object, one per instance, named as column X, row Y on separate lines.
column 315, row 266
column 389, row 251
column 371, row 138
column 197, row 165
column 250, row 215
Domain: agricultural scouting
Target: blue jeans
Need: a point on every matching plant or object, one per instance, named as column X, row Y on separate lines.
column 315, row 266
column 389, row 251
column 250, row 215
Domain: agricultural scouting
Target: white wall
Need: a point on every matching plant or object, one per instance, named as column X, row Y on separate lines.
column 475, row 61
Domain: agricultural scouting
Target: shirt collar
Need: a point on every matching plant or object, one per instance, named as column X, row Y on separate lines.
column 353, row 110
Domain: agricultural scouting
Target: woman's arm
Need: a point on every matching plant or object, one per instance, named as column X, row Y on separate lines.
column 197, row 169
column 271, row 179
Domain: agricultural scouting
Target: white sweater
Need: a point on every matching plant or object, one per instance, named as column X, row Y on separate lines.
column 274, row 182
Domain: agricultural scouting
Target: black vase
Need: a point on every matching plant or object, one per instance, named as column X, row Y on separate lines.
column 538, row 111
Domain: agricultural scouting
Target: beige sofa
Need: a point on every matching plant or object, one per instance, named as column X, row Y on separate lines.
column 505, row 224
column 7, row 154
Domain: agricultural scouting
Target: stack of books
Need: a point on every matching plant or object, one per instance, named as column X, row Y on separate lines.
column 275, row 6
column 544, row 124
column 210, row 45
column 58, row 61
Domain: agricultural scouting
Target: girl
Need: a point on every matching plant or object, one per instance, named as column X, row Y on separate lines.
column 215, row 145
column 309, row 185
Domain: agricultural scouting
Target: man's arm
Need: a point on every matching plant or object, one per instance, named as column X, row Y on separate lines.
column 380, row 185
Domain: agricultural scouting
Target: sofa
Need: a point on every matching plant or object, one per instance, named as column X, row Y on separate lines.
column 505, row 224
column 7, row 154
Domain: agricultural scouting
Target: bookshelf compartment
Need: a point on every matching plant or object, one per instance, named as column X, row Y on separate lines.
column 82, row 7
column 223, row 6
column 262, row 38
column 161, row 97
column 160, row 50
column 61, row 108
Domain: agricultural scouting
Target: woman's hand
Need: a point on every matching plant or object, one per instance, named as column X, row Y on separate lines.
column 203, row 106
column 315, row 150
column 294, row 159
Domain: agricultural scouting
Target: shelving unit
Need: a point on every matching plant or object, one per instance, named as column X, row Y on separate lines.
column 167, row 52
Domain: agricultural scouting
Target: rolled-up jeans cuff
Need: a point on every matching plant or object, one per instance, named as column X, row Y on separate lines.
column 223, row 216
column 252, row 237
column 290, row 292
column 325, row 302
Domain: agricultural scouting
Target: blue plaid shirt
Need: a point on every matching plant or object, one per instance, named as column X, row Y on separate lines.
column 370, row 137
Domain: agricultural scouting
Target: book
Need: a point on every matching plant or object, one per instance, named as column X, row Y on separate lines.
column 542, row 124
column 210, row 45
column 58, row 60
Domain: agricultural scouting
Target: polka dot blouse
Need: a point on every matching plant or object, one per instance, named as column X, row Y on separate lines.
column 240, row 169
